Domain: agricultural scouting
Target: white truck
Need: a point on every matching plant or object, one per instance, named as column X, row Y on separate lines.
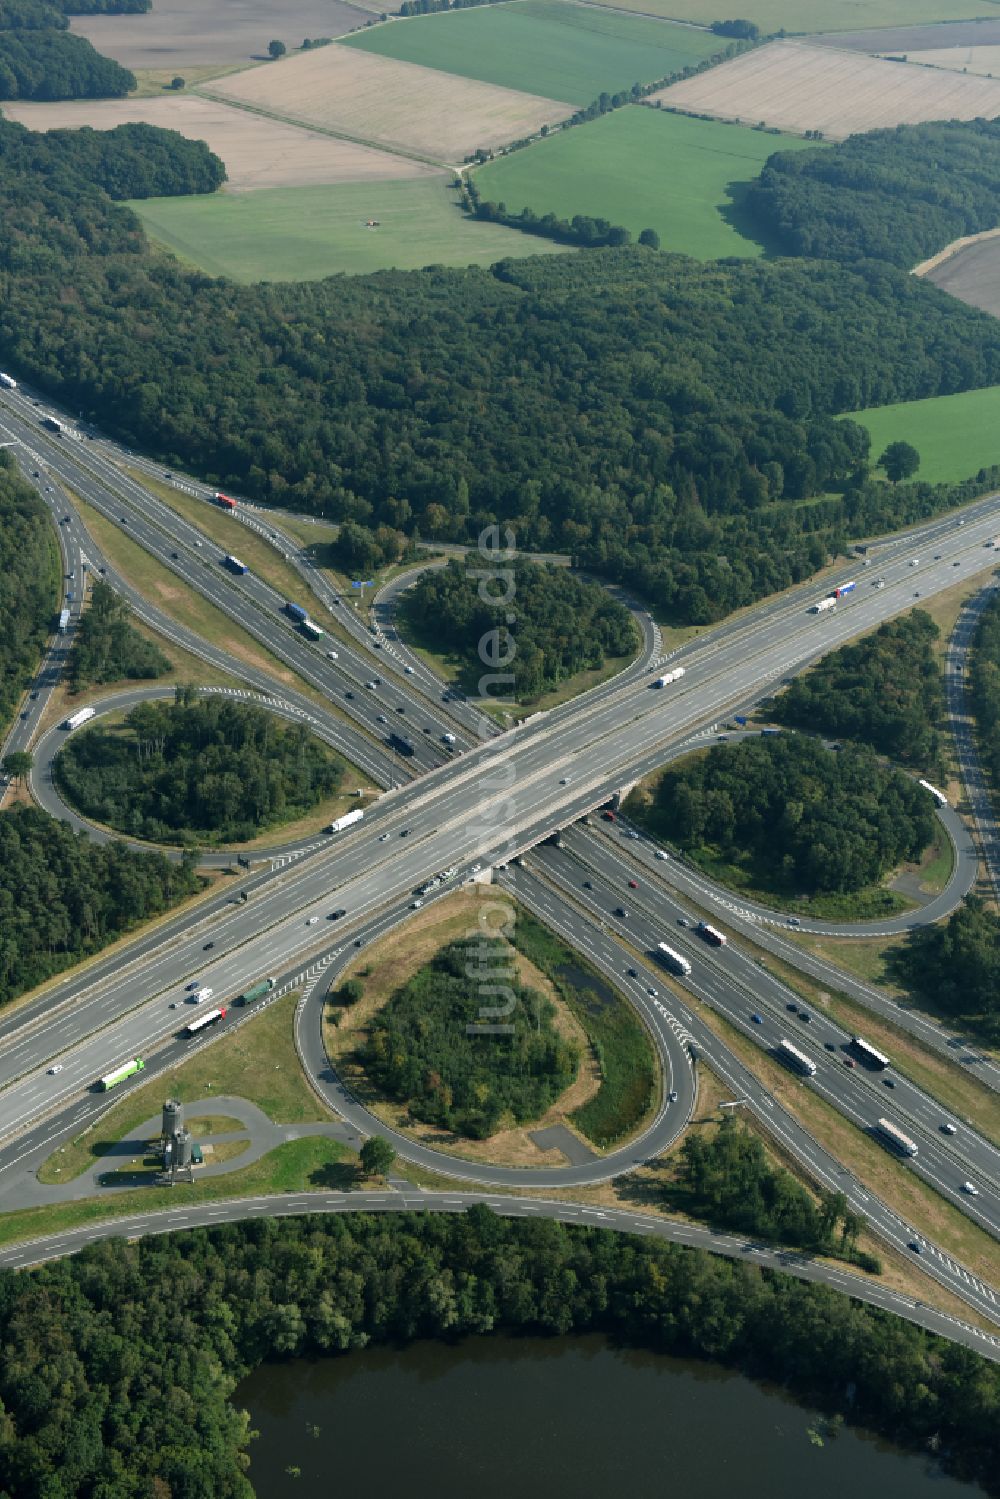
column 80, row 716
column 7, row 381
column 670, row 676
column 347, row 821
column 824, row 604
column 201, row 994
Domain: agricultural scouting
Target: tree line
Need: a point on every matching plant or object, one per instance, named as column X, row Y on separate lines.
column 197, row 770
column 42, row 15
column 886, row 690
column 421, row 1052
column 954, row 968
column 63, row 897
column 896, row 195
column 49, row 64
column 655, row 417
column 984, row 689
column 550, row 623
column 729, row 1181
column 120, row 1363
column 29, row 569
column 107, row 647
column 793, row 816
column 130, row 161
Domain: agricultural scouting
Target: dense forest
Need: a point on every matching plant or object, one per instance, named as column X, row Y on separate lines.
column 197, row 770
column 794, row 817
column 42, row 15
column 63, row 897
column 130, row 161
column 29, row 573
column 119, row 1364
column 48, row 64
column 954, row 968
column 550, row 623
column 984, row 687
column 422, row 1050
column 729, row 1181
column 885, row 690
column 659, row 419
column 895, row 195
column 107, row 648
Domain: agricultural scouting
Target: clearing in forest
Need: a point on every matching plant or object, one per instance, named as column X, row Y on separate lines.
column 258, row 153
column 548, row 47
column 796, row 87
column 955, row 435
column 645, row 169
column 395, row 104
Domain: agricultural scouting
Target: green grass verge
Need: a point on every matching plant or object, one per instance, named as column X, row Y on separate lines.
column 955, row 436
column 623, row 1049
column 645, row 168
column 258, row 1061
column 311, row 1164
column 816, row 15
column 546, row 47
column 304, row 233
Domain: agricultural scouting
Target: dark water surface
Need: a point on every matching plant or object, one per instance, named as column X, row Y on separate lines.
column 504, row 1418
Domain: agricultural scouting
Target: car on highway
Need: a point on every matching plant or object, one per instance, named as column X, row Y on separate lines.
column 564, row 781
column 34, row 696
column 608, row 816
column 333, row 656
column 621, row 913
column 349, row 694
column 404, row 832
column 208, row 946
column 947, row 1128
column 683, row 921
column 383, row 837
column 652, row 992
column 757, row 1019
column 661, row 853
column 193, row 985
column 805, row 1015
column 415, row 905
column 792, row 1007
column 58, row 1067
column 794, row 921
column 400, row 708
column 370, row 686
column 672, row 1096
column 888, row 1082
column 338, row 913
column 849, row 1062
column 916, row 1246
column 633, row 884
column 175, row 556
column 970, row 1189
column 312, row 920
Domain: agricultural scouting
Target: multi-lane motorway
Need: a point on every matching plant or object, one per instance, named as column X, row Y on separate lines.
column 495, row 800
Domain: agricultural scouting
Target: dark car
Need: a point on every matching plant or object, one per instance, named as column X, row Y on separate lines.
column 338, row 913
column 805, row 1015
column 348, row 694
column 633, row 884
column 888, row 1082
column 404, row 832
column 792, row 1007
column 633, row 973
column 208, row 946
column 622, row 913
column 588, row 884
column 830, row 1045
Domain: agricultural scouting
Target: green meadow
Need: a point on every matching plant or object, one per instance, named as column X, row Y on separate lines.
column 955, row 436
column 547, row 47
column 644, row 168
column 304, row 233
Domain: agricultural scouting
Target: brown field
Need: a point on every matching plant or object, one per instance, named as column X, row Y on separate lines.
column 179, row 33
column 796, row 87
column 258, row 153
column 982, row 59
column 907, row 39
column 972, row 275
column 391, row 103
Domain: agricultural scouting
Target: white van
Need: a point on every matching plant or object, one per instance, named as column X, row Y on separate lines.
column 200, row 994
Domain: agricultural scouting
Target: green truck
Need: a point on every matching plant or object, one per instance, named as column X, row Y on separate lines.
column 126, row 1070
column 256, row 991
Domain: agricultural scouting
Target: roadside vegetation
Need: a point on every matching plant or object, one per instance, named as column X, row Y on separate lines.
column 886, row 690
column 562, row 625
column 107, row 648
column 70, row 1322
column 422, row 1048
column 29, row 568
column 786, row 817
column 953, row 969
column 984, row 691
column 197, row 770
column 63, row 897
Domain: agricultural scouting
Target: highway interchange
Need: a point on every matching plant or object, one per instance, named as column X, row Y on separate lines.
column 474, row 814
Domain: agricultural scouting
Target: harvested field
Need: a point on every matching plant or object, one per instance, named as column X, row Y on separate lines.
column 796, row 87
column 551, row 48
column 391, row 103
column 258, row 153
column 796, row 16
column 176, row 33
column 984, row 60
column 914, row 38
column 972, row 275
column 301, row 234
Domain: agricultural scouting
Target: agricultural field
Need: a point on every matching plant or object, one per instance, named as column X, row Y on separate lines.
column 644, row 168
column 184, row 33
column 984, row 58
column 814, row 15
column 954, row 435
column 972, row 274
column 258, row 153
column 796, row 87
column 548, row 47
column 397, row 104
column 907, row 39
column 302, row 234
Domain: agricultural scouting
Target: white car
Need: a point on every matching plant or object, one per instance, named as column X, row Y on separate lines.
column 370, row 686
column 57, row 1068
column 383, row 837
column 312, row 921
column 564, row 781
column 652, row 992
column 415, row 905
column 947, row 1128
column 333, row 656
column 661, row 853
column 408, row 670
column 970, row 1188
